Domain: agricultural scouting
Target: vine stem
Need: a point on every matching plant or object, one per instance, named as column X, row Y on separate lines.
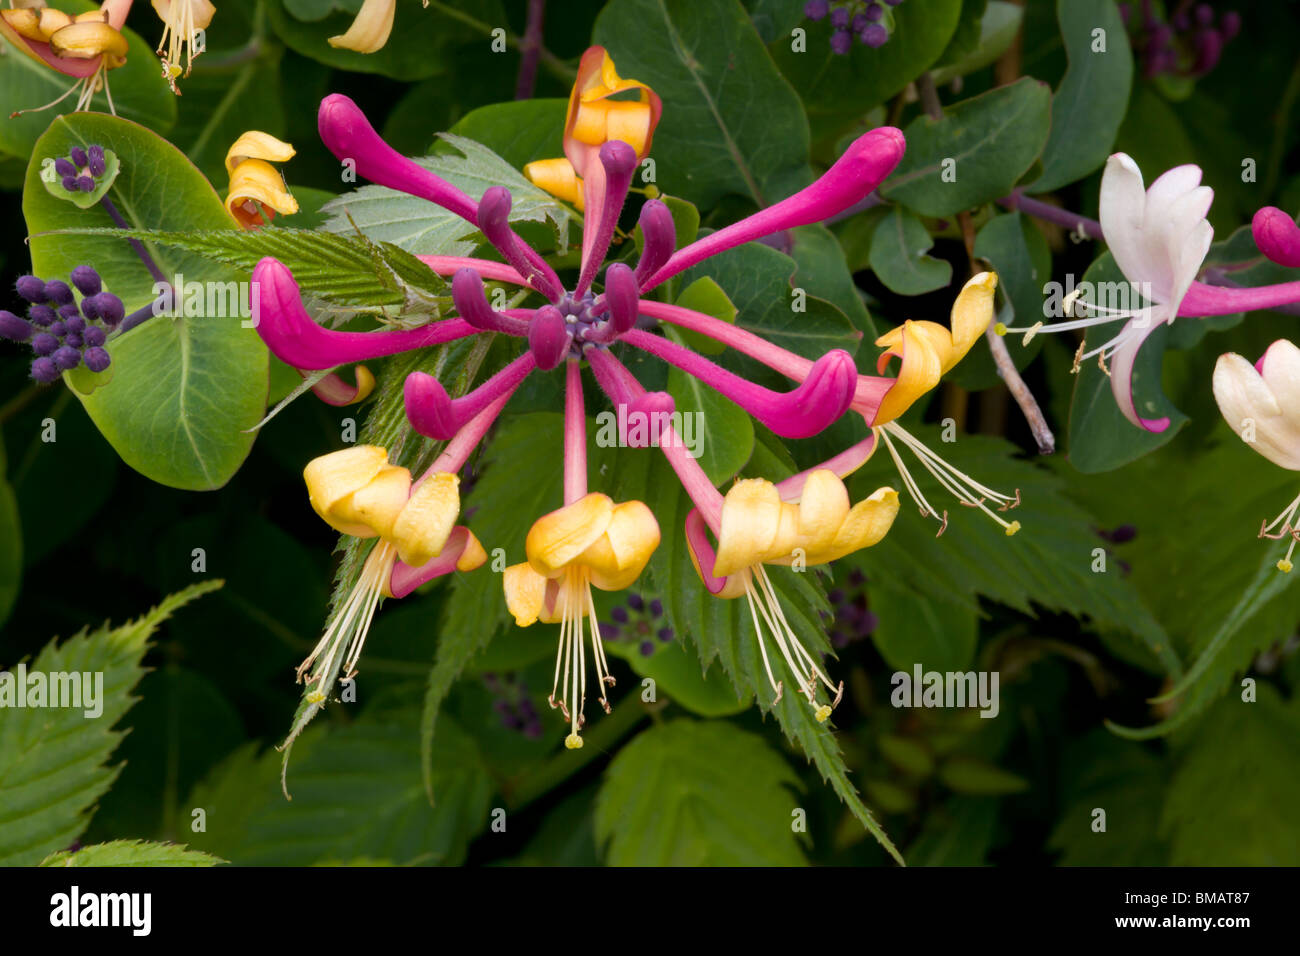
column 136, row 244
column 553, row 63
column 531, row 49
column 1007, row 371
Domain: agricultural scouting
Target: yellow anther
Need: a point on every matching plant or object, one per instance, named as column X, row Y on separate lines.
column 1033, row 330
column 316, row 697
column 822, row 713
column 573, row 742
column 999, row 328
column 1013, row 528
column 1285, row 566
column 652, row 191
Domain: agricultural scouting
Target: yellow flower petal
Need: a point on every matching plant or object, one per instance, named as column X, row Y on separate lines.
column 525, row 592
column 557, row 177
column 473, row 556
column 26, row 23
column 920, row 371
column 369, row 31
column 257, row 145
column 971, row 315
column 823, row 506
column 425, row 521
column 618, row 556
column 557, row 538
column 375, row 505
column 331, row 478
column 866, row 524
column 751, row 520
column 85, row 41
column 255, row 183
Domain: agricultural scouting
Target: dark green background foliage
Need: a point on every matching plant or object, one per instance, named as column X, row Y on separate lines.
column 1121, row 664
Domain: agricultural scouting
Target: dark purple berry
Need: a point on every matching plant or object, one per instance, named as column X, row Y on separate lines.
column 44, row 370
column 86, row 279
column 893, row 3
column 86, row 184
column 96, row 359
column 858, row 22
column 656, row 608
column 874, row 36
column 58, row 292
column 619, row 614
column 1204, row 14
column 816, row 9
column 1230, row 24
column 608, row 632
column 79, row 157
column 90, row 307
column 69, row 311
column 70, row 183
column 75, row 324
column 64, row 167
column 839, row 18
column 58, row 329
column 42, row 315
column 93, row 336
column 14, row 328
column 66, row 358
column 874, row 11
column 107, row 307
column 72, row 339
column 841, row 42
column 95, row 155
column 664, row 633
column 31, row 288
column 647, row 648
column 636, row 602
column 44, row 344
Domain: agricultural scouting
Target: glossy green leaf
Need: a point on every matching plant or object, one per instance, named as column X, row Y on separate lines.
column 184, row 390
column 131, row 853
column 705, row 295
column 1090, row 103
column 938, row 635
column 975, row 153
column 720, row 432
column 898, row 255
column 709, row 67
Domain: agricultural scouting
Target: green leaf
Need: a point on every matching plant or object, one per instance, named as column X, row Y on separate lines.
column 974, row 153
column 960, row 832
column 356, row 793
column 183, row 390
column 1101, row 438
column 838, row 90
column 722, row 433
column 139, row 91
column 757, row 279
column 350, row 270
column 419, row 46
column 680, row 679
column 824, row 272
column 1092, row 99
column 708, row 65
column 131, row 853
column 938, row 635
column 418, row 226
column 1231, row 800
column 998, row 29
column 518, row 132
column 898, row 255
column 53, row 760
column 974, row 777
column 691, row 793
column 705, row 295
column 1046, row 565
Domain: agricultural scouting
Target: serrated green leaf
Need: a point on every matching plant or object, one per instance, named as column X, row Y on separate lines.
column 692, row 793
column 132, row 853
column 53, row 760
column 420, row 227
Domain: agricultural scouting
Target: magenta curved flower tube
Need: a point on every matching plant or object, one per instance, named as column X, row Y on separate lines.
column 294, row 337
column 435, row 414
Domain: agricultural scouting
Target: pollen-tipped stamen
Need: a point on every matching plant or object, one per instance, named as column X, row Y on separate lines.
column 960, row 485
column 1288, row 528
column 348, row 628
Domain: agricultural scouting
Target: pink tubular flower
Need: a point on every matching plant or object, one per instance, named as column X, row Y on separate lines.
column 1159, row 238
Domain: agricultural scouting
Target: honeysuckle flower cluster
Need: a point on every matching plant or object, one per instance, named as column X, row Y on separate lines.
column 1159, row 238
column 867, row 21
column 1189, row 43
column 1261, row 403
column 63, row 333
column 591, row 540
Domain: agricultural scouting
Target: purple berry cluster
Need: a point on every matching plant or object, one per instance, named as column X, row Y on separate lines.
column 512, row 702
column 638, row 620
column 60, row 332
column 853, row 618
column 80, row 168
column 1188, row 44
column 864, row 19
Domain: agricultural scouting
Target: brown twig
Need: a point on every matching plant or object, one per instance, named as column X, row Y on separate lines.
column 1007, row 371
